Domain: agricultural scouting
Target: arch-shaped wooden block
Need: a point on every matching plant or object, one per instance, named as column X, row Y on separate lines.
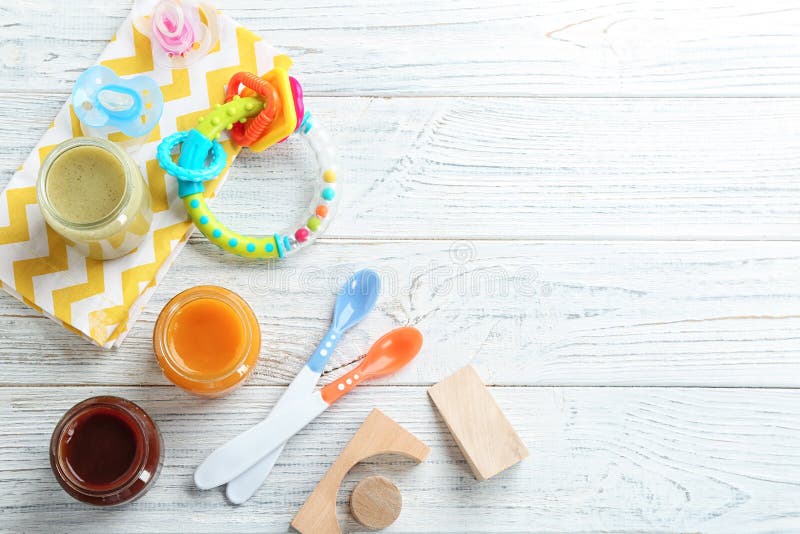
column 378, row 434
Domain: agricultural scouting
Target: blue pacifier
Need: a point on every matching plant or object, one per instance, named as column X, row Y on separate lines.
column 101, row 99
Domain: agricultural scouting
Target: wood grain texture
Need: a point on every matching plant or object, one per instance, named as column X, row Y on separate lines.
column 376, row 502
column 539, row 168
column 377, row 435
column 523, row 313
column 544, row 235
column 461, row 47
column 603, row 459
column 480, row 429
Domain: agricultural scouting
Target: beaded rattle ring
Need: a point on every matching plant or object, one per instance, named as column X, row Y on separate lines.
column 268, row 110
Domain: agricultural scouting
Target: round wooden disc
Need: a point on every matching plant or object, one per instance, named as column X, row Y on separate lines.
column 376, row 502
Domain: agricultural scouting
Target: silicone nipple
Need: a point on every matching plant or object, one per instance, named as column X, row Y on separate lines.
column 172, row 27
column 181, row 32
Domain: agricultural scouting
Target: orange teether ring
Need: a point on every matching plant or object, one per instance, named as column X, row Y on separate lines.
column 247, row 134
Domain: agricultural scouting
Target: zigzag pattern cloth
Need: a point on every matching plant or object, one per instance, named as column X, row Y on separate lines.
column 101, row 299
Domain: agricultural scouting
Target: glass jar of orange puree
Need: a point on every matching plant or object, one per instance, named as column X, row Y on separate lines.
column 207, row 340
column 91, row 192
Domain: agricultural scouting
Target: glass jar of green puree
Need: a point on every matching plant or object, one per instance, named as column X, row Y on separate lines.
column 91, row 192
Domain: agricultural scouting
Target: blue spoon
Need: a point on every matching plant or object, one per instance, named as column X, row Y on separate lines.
column 356, row 299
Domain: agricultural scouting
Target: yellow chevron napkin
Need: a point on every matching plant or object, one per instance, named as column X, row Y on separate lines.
column 101, row 299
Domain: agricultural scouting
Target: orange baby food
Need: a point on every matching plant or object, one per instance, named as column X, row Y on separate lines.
column 207, row 335
column 207, row 340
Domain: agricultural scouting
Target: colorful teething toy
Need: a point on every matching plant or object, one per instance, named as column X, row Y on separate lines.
column 265, row 113
column 105, row 102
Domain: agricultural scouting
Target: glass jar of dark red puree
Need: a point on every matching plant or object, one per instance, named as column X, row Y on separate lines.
column 106, row 451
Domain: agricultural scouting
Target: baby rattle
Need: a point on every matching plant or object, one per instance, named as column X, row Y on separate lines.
column 267, row 111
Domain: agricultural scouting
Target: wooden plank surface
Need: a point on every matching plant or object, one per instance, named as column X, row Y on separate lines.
column 573, row 196
column 461, row 47
column 523, row 313
column 602, row 459
column 499, row 168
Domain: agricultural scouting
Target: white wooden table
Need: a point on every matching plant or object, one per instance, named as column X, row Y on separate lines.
column 595, row 203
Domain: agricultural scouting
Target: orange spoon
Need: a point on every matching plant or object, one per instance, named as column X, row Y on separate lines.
column 386, row 356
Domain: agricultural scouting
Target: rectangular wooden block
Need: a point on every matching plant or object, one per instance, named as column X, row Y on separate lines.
column 486, row 438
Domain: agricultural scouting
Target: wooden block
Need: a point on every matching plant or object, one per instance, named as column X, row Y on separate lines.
column 377, row 435
column 376, row 502
column 486, row 438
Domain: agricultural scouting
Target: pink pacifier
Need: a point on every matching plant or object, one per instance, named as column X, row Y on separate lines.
column 173, row 27
column 181, row 31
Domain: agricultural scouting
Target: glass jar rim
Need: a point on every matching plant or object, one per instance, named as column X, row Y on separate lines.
column 64, row 147
column 138, row 465
column 165, row 352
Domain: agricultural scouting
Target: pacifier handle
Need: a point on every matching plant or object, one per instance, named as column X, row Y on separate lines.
column 120, row 114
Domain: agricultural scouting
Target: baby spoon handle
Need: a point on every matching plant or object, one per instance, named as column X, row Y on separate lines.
column 341, row 386
column 316, row 362
column 245, row 450
column 245, row 485
column 355, row 300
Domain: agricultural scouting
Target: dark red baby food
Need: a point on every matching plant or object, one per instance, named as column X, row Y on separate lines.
column 106, row 451
column 101, row 446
